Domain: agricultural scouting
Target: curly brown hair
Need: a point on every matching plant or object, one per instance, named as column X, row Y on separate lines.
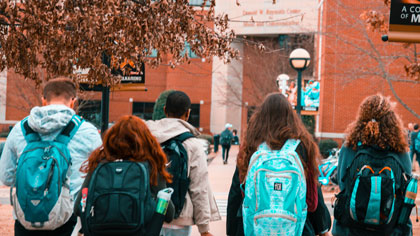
column 274, row 122
column 377, row 124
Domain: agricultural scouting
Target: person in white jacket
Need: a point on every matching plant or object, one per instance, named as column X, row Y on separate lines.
column 200, row 206
column 59, row 97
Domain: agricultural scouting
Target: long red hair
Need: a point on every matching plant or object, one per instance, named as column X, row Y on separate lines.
column 130, row 139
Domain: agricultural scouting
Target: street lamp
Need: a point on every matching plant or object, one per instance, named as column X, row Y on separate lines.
column 299, row 60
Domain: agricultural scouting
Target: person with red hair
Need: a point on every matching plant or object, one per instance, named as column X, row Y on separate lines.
column 130, row 140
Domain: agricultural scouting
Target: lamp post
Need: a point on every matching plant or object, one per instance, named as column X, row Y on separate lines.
column 299, row 60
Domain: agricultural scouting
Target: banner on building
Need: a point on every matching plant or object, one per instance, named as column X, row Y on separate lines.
column 309, row 95
column 404, row 21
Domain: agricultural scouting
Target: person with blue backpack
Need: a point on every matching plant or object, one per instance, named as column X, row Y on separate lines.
column 415, row 143
column 41, row 161
column 226, row 138
column 278, row 169
column 374, row 174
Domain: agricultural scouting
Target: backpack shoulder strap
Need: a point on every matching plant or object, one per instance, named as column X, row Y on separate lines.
column 70, row 130
column 184, row 136
column 29, row 134
column 290, row 145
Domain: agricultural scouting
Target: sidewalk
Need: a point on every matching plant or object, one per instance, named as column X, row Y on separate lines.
column 220, row 177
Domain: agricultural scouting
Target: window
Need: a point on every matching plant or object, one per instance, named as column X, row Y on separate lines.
column 195, row 115
column 90, row 110
column 251, row 110
column 143, row 110
column 199, row 3
column 284, row 41
column 188, row 50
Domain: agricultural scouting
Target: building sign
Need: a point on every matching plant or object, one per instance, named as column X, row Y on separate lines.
column 404, row 21
column 132, row 78
column 259, row 17
column 310, row 94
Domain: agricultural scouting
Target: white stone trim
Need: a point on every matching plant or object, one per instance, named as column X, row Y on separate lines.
column 329, row 135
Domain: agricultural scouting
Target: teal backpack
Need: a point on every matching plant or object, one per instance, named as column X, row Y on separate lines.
column 42, row 198
column 417, row 142
column 275, row 192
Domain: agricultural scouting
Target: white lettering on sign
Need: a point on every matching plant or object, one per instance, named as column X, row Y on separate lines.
column 404, row 9
column 415, row 18
column 415, row 9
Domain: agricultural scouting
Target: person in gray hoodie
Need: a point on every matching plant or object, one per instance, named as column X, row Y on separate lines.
column 200, row 206
column 59, row 97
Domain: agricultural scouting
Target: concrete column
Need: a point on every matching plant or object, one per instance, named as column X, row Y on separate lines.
column 3, row 92
column 226, row 105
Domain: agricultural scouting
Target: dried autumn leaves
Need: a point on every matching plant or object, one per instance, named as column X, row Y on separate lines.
column 375, row 21
column 61, row 35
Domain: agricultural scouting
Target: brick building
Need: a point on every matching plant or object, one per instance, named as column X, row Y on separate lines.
column 355, row 63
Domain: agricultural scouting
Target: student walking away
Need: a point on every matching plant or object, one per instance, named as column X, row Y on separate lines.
column 374, row 173
column 235, row 140
column 415, row 143
column 41, row 161
column 226, row 138
column 278, row 169
column 193, row 199
column 124, row 176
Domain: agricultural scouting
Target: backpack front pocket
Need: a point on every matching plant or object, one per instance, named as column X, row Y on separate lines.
column 275, row 222
column 114, row 210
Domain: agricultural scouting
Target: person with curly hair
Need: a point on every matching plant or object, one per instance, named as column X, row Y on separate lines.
column 379, row 130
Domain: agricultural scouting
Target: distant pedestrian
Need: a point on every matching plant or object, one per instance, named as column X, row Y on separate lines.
column 46, row 149
column 114, row 198
column 373, row 169
column 226, row 138
column 235, row 140
column 278, row 166
column 415, row 143
column 199, row 207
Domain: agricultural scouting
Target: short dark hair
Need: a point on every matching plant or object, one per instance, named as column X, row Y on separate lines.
column 177, row 104
column 59, row 87
column 416, row 126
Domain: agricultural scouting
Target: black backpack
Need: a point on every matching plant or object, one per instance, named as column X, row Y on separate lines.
column 119, row 201
column 178, row 168
column 226, row 137
column 373, row 196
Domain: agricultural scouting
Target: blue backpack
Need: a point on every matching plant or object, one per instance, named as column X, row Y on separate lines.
column 378, row 195
column 42, row 198
column 275, row 192
column 417, row 142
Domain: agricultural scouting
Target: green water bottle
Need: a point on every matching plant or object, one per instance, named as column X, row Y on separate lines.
column 164, row 196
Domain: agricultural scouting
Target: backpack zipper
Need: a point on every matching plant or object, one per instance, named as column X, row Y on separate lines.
column 291, row 218
column 92, row 211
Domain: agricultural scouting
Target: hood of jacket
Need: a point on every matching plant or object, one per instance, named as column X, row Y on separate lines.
column 168, row 128
column 49, row 119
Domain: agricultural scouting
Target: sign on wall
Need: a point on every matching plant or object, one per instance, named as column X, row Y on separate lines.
column 259, row 17
column 404, row 21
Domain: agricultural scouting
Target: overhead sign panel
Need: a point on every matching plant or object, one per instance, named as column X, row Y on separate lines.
column 404, row 21
column 259, row 17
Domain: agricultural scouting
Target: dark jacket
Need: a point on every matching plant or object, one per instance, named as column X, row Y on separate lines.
column 318, row 219
column 226, row 137
column 413, row 137
column 347, row 155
